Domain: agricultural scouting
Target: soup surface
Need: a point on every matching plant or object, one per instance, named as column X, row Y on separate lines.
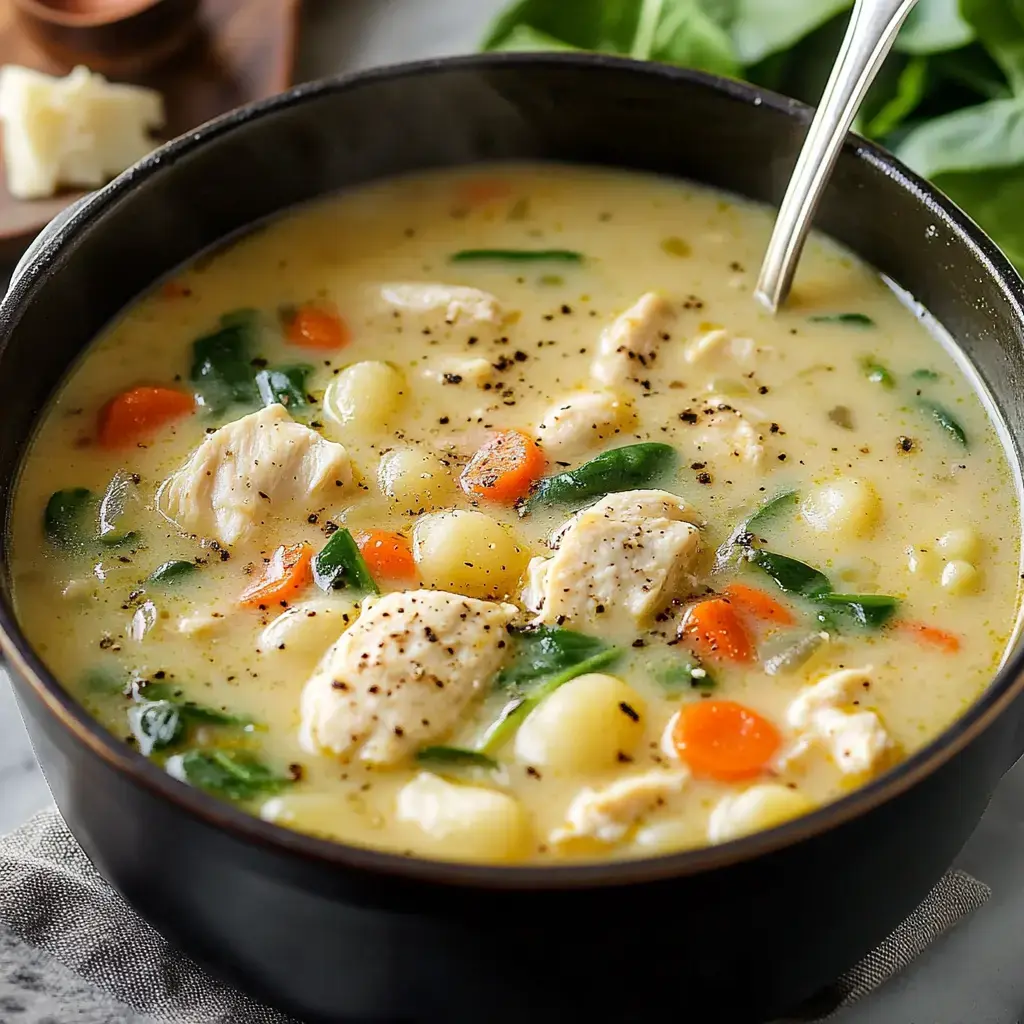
column 488, row 516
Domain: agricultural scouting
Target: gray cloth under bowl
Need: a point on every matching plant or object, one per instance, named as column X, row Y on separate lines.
column 73, row 952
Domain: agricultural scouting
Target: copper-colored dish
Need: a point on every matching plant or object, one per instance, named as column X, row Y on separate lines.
column 114, row 37
column 231, row 53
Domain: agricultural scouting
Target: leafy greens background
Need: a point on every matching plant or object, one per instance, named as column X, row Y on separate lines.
column 949, row 100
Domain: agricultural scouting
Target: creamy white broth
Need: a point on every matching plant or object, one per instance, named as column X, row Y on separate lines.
column 816, row 393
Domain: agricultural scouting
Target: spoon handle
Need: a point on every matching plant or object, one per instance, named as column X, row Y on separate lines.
column 869, row 37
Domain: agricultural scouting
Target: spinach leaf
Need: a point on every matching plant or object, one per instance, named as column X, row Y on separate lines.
column 691, row 33
column 159, row 718
column 103, row 680
column 120, row 491
column 909, row 90
column 742, row 535
column 687, row 33
column 340, row 564
column 877, row 373
column 872, row 610
column 620, row 469
column 934, row 26
column 222, row 363
column 171, row 572
column 999, row 24
column 66, row 517
column 924, row 374
column 454, row 757
column 792, row 576
column 286, row 385
column 760, row 28
column 946, row 420
column 156, row 725
column 685, row 672
column 545, row 659
column 853, row 319
column 516, row 256
column 526, row 39
column 224, row 773
column 771, row 510
column 544, row 650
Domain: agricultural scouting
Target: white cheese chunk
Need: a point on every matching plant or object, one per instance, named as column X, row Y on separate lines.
column 78, row 131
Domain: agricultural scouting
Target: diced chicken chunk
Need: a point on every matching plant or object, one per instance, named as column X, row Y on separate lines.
column 630, row 343
column 262, row 465
column 825, row 714
column 580, row 420
column 728, row 431
column 457, row 303
column 608, row 814
column 403, row 674
column 720, row 345
column 617, row 563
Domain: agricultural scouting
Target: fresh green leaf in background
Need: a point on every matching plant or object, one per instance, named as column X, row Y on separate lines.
column 934, row 26
column 949, row 100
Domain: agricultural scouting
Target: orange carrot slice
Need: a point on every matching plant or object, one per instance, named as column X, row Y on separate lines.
column 138, row 412
column 317, row 327
column 480, row 191
column 387, row 555
column 720, row 739
column 285, row 576
column 716, row 631
column 754, row 602
column 932, row 635
column 504, row 468
column 174, row 289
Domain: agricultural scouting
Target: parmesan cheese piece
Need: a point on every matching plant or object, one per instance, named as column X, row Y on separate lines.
column 78, row 131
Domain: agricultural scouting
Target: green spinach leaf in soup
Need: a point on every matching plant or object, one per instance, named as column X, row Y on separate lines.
column 228, row 774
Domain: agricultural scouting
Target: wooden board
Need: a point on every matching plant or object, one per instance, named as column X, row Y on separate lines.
column 243, row 50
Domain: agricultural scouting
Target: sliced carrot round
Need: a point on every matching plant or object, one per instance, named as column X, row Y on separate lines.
column 134, row 414
column 756, row 603
column 284, row 577
column 721, row 739
column 714, row 628
column 317, row 327
column 387, row 555
column 480, row 191
column 504, row 468
column 932, row 635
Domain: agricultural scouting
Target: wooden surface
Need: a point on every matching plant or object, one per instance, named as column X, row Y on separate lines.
column 241, row 50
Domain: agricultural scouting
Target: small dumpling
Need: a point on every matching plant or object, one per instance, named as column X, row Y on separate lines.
column 591, row 723
column 755, row 810
column 263, row 466
column 298, row 637
column 403, row 674
column 468, row 822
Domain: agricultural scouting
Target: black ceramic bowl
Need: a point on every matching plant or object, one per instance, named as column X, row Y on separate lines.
column 735, row 933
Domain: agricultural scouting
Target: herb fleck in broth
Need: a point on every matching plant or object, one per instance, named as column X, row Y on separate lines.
column 792, row 559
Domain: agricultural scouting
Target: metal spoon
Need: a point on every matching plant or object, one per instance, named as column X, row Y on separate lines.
column 869, row 37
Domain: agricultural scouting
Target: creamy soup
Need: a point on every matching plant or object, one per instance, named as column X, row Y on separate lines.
column 488, row 516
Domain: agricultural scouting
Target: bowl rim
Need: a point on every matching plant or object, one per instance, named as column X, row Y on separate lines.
column 1005, row 686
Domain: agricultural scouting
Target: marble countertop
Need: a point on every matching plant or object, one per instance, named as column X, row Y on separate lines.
column 971, row 976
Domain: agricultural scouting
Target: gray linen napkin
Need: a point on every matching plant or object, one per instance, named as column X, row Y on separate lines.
column 73, row 952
